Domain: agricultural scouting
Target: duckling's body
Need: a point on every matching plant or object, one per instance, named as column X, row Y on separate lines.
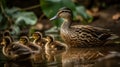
column 14, row 50
column 36, row 49
column 81, row 35
column 38, row 40
column 7, row 33
column 37, row 36
column 53, row 48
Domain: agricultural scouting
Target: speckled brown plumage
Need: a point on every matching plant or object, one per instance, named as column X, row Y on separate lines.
column 81, row 35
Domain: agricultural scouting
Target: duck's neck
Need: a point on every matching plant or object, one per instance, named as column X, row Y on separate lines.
column 66, row 24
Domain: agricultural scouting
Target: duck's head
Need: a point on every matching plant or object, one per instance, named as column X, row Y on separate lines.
column 49, row 38
column 37, row 35
column 24, row 39
column 64, row 13
column 6, row 40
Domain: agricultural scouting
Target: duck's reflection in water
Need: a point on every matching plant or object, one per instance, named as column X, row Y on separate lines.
column 111, row 60
column 73, row 57
column 85, row 57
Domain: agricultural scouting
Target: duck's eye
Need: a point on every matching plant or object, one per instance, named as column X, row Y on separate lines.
column 67, row 11
column 64, row 12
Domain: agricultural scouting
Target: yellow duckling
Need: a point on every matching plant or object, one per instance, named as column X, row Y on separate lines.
column 25, row 40
column 14, row 50
column 38, row 39
column 53, row 48
column 37, row 57
column 37, row 36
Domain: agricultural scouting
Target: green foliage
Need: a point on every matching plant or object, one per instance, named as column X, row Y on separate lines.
column 26, row 18
column 50, row 8
column 82, row 11
column 1, row 17
column 20, row 19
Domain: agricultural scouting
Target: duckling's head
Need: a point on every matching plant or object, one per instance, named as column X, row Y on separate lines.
column 6, row 40
column 6, row 33
column 64, row 13
column 37, row 35
column 24, row 39
column 49, row 38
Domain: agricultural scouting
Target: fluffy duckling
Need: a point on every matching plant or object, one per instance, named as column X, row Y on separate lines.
column 37, row 36
column 25, row 40
column 14, row 50
column 38, row 39
column 37, row 57
column 7, row 33
column 53, row 48
column 81, row 35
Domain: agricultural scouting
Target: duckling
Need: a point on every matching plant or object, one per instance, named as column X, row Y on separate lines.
column 53, row 48
column 81, row 35
column 37, row 36
column 14, row 50
column 38, row 39
column 7, row 33
column 25, row 40
column 37, row 57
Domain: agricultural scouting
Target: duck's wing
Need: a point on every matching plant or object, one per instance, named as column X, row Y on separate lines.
column 100, row 33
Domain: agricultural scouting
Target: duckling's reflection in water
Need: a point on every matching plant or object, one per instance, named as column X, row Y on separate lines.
column 26, row 63
column 84, row 57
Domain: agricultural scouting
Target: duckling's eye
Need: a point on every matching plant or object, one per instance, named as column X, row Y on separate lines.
column 4, row 40
column 47, row 37
column 35, row 34
column 25, row 40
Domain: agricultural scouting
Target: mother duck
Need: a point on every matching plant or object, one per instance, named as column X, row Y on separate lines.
column 81, row 35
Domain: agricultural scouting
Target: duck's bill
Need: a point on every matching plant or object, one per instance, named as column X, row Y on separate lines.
column 53, row 18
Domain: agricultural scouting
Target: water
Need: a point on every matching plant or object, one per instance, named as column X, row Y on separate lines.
column 6, row 63
column 73, row 57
